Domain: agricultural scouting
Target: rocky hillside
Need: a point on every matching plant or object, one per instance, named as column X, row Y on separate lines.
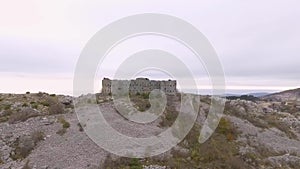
column 42, row 131
column 289, row 95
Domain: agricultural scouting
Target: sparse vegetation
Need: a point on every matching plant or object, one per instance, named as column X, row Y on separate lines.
column 5, row 116
column 169, row 117
column 55, row 107
column 34, row 105
column 7, row 106
column 26, row 166
column 22, row 115
column 44, row 103
column 264, row 121
column 220, row 151
column 64, row 123
column 121, row 163
column 274, row 122
column 141, row 101
column 65, row 126
column 25, row 144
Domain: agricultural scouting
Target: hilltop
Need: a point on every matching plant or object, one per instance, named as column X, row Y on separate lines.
column 289, row 95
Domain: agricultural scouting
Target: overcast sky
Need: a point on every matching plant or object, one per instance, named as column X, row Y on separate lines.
column 40, row 41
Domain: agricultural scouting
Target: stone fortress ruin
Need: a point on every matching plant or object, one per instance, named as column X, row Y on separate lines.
column 140, row 85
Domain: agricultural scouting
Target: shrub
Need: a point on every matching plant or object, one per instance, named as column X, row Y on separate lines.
column 226, row 128
column 22, row 115
column 24, row 105
column 25, row 144
column 45, row 104
column 37, row 136
column 34, row 106
column 52, row 95
column 64, row 123
column 57, row 108
column 65, row 126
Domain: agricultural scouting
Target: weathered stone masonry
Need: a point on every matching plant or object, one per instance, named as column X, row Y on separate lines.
column 140, row 85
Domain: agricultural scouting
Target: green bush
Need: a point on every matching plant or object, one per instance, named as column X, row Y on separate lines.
column 64, row 123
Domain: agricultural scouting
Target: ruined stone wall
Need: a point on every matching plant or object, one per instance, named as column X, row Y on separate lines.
column 139, row 85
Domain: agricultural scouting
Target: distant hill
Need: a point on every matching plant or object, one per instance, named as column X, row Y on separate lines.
column 261, row 94
column 258, row 94
column 293, row 94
